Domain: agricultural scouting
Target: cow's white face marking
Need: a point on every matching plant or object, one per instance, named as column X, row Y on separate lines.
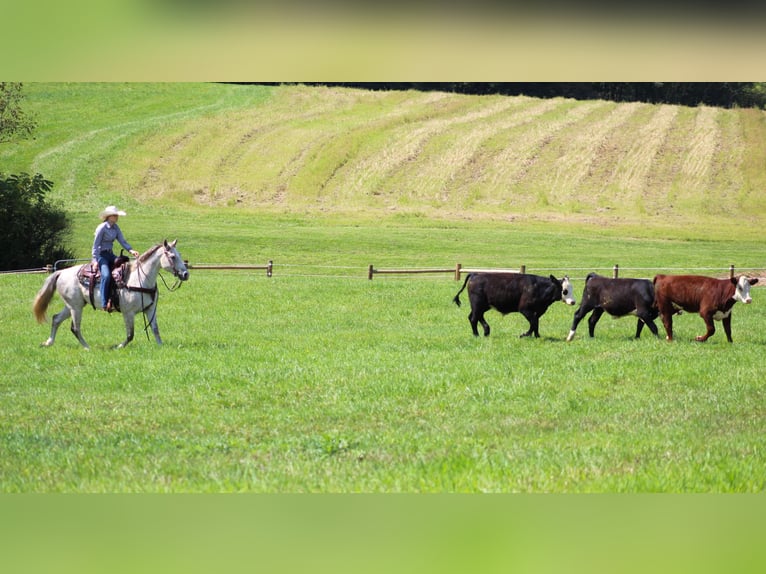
column 742, row 293
column 567, row 295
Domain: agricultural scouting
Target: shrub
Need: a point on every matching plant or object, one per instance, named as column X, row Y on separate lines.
column 32, row 232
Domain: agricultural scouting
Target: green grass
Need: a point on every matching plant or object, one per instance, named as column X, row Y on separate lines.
column 318, row 380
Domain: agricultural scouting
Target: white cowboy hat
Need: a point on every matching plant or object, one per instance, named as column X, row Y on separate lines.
column 110, row 210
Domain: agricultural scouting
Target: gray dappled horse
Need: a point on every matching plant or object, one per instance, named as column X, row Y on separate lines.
column 138, row 295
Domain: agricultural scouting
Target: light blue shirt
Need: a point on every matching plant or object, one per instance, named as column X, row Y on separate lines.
column 106, row 233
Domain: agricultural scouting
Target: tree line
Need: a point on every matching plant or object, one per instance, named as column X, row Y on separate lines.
column 33, row 232
column 718, row 94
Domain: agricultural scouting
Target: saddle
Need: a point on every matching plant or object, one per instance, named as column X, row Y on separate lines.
column 89, row 276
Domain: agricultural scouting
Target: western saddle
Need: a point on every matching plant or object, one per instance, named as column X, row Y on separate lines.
column 90, row 275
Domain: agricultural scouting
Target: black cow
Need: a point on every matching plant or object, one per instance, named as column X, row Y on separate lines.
column 530, row 295
column 618, row 297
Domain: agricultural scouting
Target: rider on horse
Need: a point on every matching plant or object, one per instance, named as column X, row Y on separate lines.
column 103, row 256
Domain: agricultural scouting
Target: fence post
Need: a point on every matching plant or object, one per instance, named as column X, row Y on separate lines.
column 269, row 268
column 458, row 267
column 731, row 271
column 523, row 269
column 615, row 271
column 370, row 271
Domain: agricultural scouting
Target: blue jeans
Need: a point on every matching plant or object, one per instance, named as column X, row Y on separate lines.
column 105, row 260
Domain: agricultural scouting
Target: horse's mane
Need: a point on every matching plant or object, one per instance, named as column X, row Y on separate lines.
column 146, row 255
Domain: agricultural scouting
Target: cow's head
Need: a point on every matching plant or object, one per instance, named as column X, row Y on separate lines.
column 567, row 294
column 742, row 293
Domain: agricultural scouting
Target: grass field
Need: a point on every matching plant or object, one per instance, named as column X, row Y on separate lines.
column 319, row 380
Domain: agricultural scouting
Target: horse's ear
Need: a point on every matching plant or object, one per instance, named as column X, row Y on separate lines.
column 165, row 243
column 174, row 243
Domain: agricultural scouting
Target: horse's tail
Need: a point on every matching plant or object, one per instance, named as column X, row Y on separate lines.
column 44, row 296
column 456, row 300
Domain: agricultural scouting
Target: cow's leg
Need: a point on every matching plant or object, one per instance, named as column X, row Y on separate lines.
column 58, row 318
column 476, row 317
column 727, row 327
column 707, row 316
column 533, row 319
column 646, row 318
column 649, row 323
column 474, row 324
column 667, row 321
column 484, row 324
column 479, row 306
column 593, row 319
column 578, row 316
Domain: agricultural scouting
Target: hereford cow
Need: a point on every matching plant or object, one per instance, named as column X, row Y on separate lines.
column 618, row 297
column 712, row 298
column 530, row 295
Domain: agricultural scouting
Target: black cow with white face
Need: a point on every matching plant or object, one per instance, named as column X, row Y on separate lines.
column 618, row 297
column 530, row 295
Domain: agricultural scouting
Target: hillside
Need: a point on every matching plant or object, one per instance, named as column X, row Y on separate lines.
column 305, row 148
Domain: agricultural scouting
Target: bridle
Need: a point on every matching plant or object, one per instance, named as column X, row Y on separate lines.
column 154, row 292
column 178, row 282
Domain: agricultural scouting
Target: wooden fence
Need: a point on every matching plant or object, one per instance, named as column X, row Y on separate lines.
column 459, row 270
column 456, row 272
column 269, row 267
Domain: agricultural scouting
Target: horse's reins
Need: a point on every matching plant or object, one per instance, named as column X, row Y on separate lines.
column 176, row 286
column 154, row 292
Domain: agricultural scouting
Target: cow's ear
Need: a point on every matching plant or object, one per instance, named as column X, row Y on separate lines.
column 753, row 281
column 734, row 280
column 553, row 278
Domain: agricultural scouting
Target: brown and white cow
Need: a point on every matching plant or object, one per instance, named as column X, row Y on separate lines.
column 618, row 297
column 712, row 298
column 530, row 295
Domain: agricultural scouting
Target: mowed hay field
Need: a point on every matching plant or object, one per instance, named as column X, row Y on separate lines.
column 320, row 380
column 428, row 153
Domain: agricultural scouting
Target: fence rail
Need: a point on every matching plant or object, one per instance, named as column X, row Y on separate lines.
column 459, row 270
column 269, row 267
column 46, row 269
column 456, row 272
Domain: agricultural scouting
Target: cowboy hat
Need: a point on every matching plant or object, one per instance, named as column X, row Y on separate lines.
column 110, row 210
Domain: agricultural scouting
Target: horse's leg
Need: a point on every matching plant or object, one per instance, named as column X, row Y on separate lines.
column 75, row 327
column 152, row 312
column 58, row 318
column 129, row 332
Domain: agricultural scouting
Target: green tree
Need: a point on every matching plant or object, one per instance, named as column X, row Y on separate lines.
column 32, row 232
column 13, row 119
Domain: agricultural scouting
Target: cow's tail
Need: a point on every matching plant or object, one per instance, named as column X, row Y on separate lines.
column 456, row 300
column 44, row 296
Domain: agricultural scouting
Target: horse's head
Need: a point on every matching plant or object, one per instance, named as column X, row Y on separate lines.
column 171, row 261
